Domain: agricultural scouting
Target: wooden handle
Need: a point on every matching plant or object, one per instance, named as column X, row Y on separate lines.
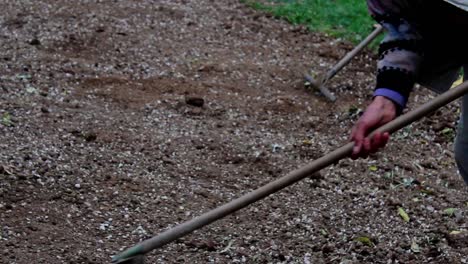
column 285, row 181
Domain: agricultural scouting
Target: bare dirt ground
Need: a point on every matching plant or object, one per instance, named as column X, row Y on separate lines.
column 120, row 119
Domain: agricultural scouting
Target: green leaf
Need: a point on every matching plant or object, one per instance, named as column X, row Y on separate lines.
column 407, row 182
column 427, row 192
column 6, row 119
column 24, row 77
column 373, row 168
column 415, row 247
column 403, row 214
column 450, row 211
column 457, row 82
column 365, row 240
column 31, row 90
column 447, row 130
column 323, row 232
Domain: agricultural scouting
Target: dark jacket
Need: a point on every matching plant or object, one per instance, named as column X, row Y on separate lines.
column 425, row 43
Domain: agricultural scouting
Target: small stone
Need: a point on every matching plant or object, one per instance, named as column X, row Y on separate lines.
column 393, row 202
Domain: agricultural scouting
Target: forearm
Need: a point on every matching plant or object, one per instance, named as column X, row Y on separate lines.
column 400, row 53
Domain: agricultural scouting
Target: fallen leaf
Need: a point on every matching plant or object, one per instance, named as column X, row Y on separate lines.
column 24, row 76
column 31, row 90
column 450, row 211
column 457, row 82
column 447, row 130
column 403, row 214
column 373, row 168
column 408, row 182
column 323, row 232
column 365, row 240
column 415, row 247
column 6, row 119
column 427, row 192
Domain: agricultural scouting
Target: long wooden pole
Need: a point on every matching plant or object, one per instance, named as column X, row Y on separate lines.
column 285, row 181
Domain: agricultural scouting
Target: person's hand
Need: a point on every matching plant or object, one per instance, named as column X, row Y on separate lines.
column 378, row 113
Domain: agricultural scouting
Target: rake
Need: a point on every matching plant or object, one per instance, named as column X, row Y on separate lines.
column 319, row 82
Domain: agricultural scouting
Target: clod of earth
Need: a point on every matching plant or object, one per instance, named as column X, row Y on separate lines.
column 195, row 101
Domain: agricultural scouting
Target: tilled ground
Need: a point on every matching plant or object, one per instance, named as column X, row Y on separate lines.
column 120, row 119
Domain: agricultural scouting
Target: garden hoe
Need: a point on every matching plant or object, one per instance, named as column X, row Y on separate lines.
column 319, row 83
column 135, row 255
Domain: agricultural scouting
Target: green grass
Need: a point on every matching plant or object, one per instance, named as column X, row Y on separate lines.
column 347, row 19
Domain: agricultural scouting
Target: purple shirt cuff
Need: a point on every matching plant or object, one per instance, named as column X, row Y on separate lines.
column 392, row 95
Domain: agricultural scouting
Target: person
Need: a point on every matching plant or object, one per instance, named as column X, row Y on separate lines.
column 424, row 44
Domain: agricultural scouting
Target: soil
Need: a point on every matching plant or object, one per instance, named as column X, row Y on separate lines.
column 121, row 119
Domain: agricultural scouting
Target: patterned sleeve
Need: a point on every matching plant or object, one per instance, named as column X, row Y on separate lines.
column 400, row 52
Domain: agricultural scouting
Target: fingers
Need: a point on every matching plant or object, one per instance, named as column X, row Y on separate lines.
column 368, row 145
column 358, row 135
column 379, row 141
